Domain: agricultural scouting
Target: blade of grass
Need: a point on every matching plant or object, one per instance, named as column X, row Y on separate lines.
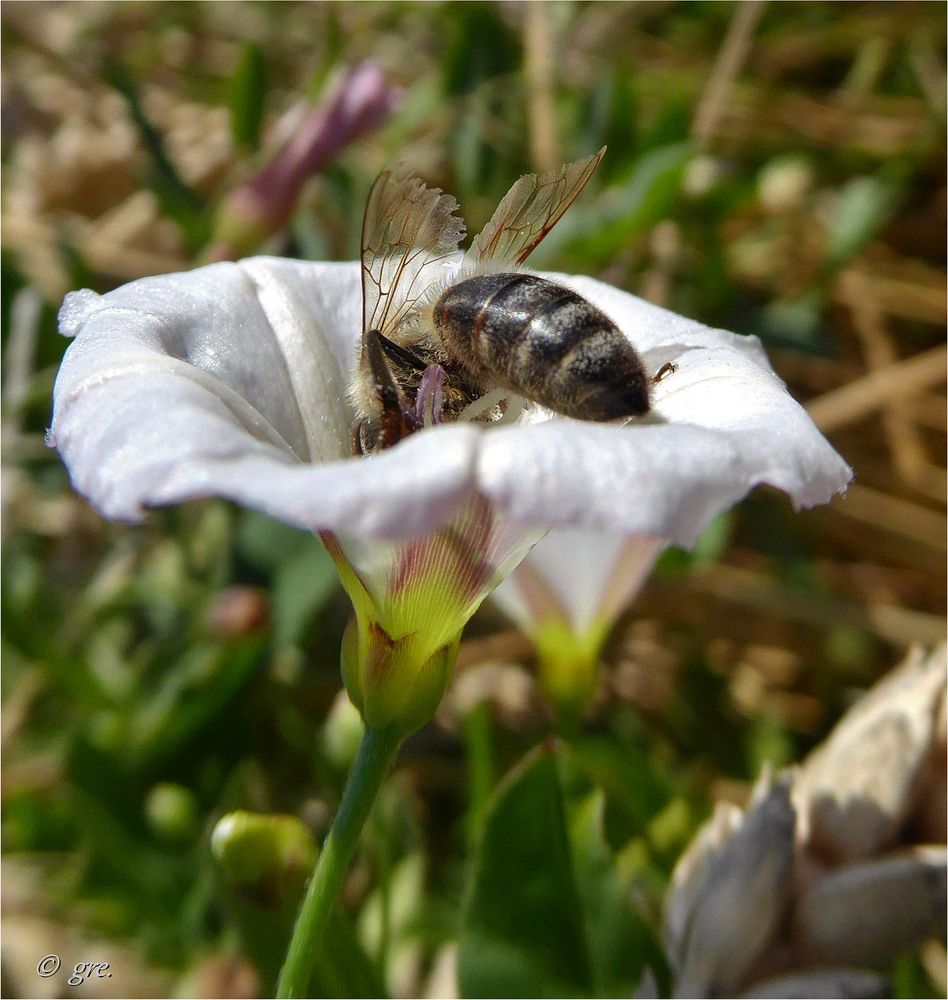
column 179, row 201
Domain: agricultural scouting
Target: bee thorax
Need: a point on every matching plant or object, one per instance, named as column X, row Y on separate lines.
column 544, row 341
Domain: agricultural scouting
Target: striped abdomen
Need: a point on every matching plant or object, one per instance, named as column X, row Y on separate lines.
column 544, row 342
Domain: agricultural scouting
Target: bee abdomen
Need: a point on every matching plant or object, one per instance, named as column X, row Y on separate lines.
column 545, row 342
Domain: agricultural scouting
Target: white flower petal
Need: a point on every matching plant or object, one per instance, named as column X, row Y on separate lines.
column 215, row 383
column 652, row 480
column 588, row 576
column 312, row 318
column 210, row 319
column 231, row 379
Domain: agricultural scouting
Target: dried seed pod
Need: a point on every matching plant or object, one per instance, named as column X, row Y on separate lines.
column 868, row 914
column 741, row 898
column 826, row 984
column 929, row 822
column 856, row 790
column 690, row 874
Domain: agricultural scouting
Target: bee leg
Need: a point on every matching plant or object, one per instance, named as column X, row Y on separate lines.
column 398, row 354
column 429, row 401
column 669, row 368
column 397, row 419
column 365, row 436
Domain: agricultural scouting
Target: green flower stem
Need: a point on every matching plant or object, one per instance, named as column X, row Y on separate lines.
column 376, row 753
column 480, row 768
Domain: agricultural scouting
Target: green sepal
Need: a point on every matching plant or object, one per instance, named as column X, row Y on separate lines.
column 568, row 663
column 396, row 683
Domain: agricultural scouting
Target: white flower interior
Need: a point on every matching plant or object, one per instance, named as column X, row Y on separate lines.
column 231, row 380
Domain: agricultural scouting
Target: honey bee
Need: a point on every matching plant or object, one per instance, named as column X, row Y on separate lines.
column 442, row 342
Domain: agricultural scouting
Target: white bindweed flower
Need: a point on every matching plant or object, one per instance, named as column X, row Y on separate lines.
column 230, row 380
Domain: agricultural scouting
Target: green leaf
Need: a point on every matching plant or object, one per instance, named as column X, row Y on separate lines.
column 652, row 188
column 302, row 585
column 865, row 205
column 627, row 772
column 595, row 232
column 248, row 91
column 522, row 931
column 609, row 117
column 302, row 574
column 619, row 940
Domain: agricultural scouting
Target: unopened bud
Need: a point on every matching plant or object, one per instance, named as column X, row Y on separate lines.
column 360, row 102
column 783, row 183
column 342, row 732
column 172, row 811
column 269, row 855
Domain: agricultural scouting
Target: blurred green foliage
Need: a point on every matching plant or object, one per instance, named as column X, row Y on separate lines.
column 248, row 90
column 157, row 677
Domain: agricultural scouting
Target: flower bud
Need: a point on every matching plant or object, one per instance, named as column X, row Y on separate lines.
column 342, row 732
column 360, row 102
column 172, row 812
column 394, row 682
column 270, row 856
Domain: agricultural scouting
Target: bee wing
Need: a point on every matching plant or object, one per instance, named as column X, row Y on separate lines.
column 529, row 211
column 407, row 232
